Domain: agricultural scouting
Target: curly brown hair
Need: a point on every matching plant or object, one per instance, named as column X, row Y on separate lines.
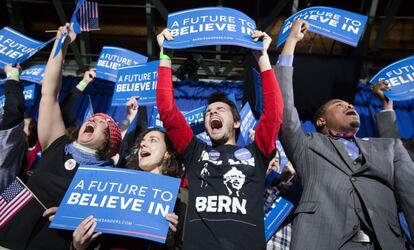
column 170, row 166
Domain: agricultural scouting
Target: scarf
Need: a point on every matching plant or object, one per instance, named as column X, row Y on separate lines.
column 85, row 156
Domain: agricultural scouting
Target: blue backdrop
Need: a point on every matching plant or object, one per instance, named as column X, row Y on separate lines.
column 191, row 94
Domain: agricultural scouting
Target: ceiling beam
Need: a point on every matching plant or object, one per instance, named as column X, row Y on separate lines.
column 271, row 19
column 390, row 12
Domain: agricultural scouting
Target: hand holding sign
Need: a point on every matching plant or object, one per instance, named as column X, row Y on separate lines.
column 377, row 91
column 165, row 54
column 84, row 233
column 89, row 76
column 166, row 34
column 299, row 29
column 50, row 213
column 12, row 72
column 64, row 36
column 173, row 221
column 132, row 108
column 265, row 38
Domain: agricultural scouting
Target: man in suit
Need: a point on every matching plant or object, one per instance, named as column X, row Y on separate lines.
column 352, row 187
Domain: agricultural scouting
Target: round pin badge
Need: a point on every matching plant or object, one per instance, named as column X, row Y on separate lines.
column 70, row 164
column 214, row 155
column 242, row 154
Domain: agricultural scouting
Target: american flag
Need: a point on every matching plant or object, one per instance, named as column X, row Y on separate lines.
column 12, row 199
column 88, row 16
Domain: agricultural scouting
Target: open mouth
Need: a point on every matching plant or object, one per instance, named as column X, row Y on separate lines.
column 216, row 123
column 351, row 112
column 89, row 129
column 144, row 154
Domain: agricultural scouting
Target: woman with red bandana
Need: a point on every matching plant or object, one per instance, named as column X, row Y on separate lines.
column 94, row 143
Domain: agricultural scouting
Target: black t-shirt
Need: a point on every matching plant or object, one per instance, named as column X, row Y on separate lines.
column 28, row 229
column 226, row 185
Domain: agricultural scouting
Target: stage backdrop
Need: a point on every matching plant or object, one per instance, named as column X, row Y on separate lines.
column 190, row 95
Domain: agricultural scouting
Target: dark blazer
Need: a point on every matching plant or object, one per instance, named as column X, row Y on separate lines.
column 336, row 191
column 386, row 123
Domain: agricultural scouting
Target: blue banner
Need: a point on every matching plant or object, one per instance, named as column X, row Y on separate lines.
column 248, row 121
column 112, row 58
column 400, row 76
column 33, row 74
column 123, row 201
column 138, row 80
column 278, row 212
column 16, row 48
column 340, row 25
column 211, row 26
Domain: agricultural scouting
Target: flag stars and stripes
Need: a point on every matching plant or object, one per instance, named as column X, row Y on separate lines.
column 12, row 199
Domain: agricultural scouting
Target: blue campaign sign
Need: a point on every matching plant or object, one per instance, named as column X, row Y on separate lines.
column 112, row 58
column 283, row 158
column 248, row 121
column 278, row 212
column 33, row 74
column 123, row 201
column 340, row 25
column 155, row 121
column 138, row 80
column 400, row 76
column 29, row 94
column 211, row 26
column 194, row 118
column 16, row 47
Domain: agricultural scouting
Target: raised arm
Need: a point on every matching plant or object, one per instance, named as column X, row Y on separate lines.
column 174, row 123
column 291, row 134
column 271, row 119
column 50, row 123
column 14, row 105
column 67, row 104
column 131, row 112
column 385, row 120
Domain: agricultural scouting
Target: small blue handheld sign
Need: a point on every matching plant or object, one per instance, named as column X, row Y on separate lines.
column 123, row 201
column 33, row 74
column 340, row 25
column 248, row 121
column 279, row 211
column 211, row 26
column 112, row 58
column 400, row 76
column 16, row 48
column 138, row 80
column 283, row 160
